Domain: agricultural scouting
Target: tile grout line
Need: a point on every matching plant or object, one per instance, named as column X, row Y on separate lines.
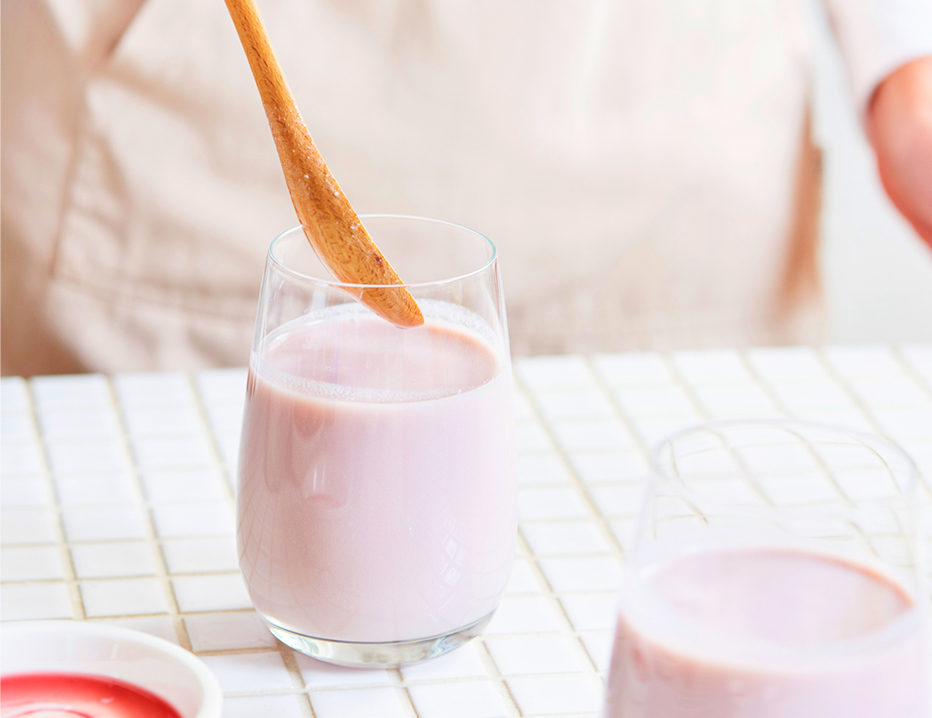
column 851, row 394
column 847, row 387
column 286, row 654
column 152, row 537
column 67, row 561
column 834, row 376
column 592, row 508
column 397, row 682
column 628, row 421
column 229, row 484
column 782, row 408
column 498, row 680
column 576, row 481
column 920, row 379
column 693, row 396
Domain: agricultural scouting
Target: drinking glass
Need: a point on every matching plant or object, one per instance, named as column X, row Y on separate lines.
column 776, row 571
column 376, row 517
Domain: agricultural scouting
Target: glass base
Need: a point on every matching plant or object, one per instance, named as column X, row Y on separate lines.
column 384, row 655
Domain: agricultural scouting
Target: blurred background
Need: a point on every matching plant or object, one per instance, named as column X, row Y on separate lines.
column 877, row 273
column 645, row 167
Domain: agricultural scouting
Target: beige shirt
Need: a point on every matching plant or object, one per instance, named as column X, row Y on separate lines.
column 642, row 165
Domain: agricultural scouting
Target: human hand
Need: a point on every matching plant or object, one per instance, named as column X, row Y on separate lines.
column 899, row 126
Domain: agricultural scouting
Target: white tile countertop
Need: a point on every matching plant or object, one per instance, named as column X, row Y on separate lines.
column 117, row 506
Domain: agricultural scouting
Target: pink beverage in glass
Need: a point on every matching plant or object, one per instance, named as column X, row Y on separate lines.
column 377, row 497
column 776, row 571
column 766, row 632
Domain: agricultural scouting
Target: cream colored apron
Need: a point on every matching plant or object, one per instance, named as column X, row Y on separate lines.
column 642, row 165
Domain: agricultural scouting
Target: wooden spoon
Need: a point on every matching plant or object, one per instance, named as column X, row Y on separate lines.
column 330, row 223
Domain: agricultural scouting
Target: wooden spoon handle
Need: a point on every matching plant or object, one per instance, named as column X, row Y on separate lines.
column 329, row 221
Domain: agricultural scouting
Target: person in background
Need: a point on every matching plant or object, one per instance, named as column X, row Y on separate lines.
column 644, row 166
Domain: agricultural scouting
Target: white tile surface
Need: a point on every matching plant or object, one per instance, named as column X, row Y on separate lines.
column 25, row 526
column 62, row 392
column 30, row 563
column 618, row 499
column 575, row 405
column 525, row 615
column 35, row 601
column 207, row 555
column 522, row 579
column 163, row 422
column 317, row 674
column 461, row 663
column 649, row 402
column 227, row 631
column 170, row 487
column 159, row 626
column 201, row 519
column 556, row 695
column 587, row 434
column 476, row 699
column 600, row 467
column 123, row 597
column 142, row 486
column 155, row 389
column 279, row 706
column 183, row 453
column 13, row 395
column 99, row 524
column 118, row 558
column 23, row 492
column 636, row 369
column 220, row 592
column 554, row 373
column 582, row 573
column 21, row 457
column 360, row 703
column 75, row 424
column 530, row 438
column 591, row 611
column 566, row 539
column 599, row 647
column 718, row 366
column 550, row 503
column 77, row 456
column 250, row 672
column 17, row 426
column 100, row 489
column 542, row 470
column 799, row 364
column 525, row 655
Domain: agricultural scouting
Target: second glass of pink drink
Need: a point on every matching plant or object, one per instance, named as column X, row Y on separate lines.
column 776, row 572
column 376, row 517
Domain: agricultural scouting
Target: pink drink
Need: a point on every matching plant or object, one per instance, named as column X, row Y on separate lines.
column 377, row 495
column 766, row 633
column 61, row 695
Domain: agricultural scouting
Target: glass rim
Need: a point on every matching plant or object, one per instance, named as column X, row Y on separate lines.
column 333, row 282
column 763, row 422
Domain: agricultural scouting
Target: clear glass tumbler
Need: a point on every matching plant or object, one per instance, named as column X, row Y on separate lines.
column 776, row 572
column 376, row 517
